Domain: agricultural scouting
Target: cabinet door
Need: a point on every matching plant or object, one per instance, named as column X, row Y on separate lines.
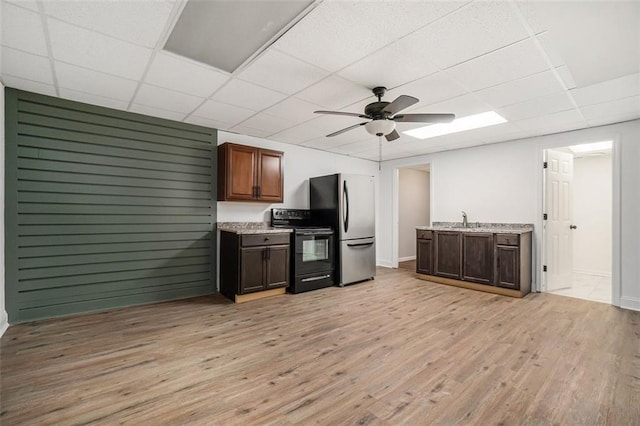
column 448, row 254
column 252, row 269
column 424, row 257
column 477, row 257
column 508, row 267
column 270, row 179
column 241, row 172
column 277, row 266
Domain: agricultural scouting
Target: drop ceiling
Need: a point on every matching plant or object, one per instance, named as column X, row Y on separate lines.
column 546, row 67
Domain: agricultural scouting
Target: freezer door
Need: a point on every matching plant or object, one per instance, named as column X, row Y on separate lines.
column 357, row 260
column 357, row 207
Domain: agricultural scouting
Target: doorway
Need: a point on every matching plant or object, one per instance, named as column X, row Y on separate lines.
column 414, row 209
column 578, row 229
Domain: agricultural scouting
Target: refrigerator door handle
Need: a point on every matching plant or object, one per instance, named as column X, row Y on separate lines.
column 360, row 244
column 345, row 211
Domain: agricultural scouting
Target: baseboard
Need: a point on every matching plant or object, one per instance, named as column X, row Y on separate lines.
column 632, row 303
column 406, row 259
column 384, row 263
column 4, row 322
column 597, row 273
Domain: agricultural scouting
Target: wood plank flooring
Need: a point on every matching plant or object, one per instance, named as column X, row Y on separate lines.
column 396, row 350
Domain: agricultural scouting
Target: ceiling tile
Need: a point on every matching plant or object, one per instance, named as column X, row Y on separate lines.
column 24, row 65
column 281, row 72
column 183, row 75
column 334, row 92
column 94, row 82
column 247, row 95
column 95, row 51
column 140, row 22
column 547, row 44
column 25, row 4
column 472, row 31
column 610, row 90
column 625, row 106
column 546, row 123
column 461, row 106
column 157, row 112
column 205, row 122
column 521, row 90
column 507, row 64
column 250, row 131
column 555, row 102
column 299, row 134
column 22, row 29
column 225, row 113
column 401, row 62
column 294, row 109
column 349, row 137
column 28, row 85
column 267, row 123
column 430, row 89
column 166, row 99
column 610, row 119
column 87, row 98
column 566, row 77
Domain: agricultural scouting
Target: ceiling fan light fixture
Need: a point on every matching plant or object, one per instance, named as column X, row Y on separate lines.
column 380, row 127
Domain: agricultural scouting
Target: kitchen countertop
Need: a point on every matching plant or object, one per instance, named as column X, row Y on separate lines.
column 250, row 228
column 494, row 228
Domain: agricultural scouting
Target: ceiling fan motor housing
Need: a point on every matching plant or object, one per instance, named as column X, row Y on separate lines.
column 374, row 110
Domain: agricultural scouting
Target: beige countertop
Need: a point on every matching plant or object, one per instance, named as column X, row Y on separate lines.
column 251, row 228
column 494, row 228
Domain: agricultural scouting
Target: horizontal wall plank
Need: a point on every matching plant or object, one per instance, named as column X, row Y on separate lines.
column 49, row 154
column 113, row 302
column 102, row 209
column 114, row 286
column 112, row 200
column 70, row 188
column 88, row 148
column 98, row 268
column 129, row 123
column 59, row 240
column 53, row 282
column 65, row 250
column 65, row 166
column 83, row 259
column 25, row 230
column 109, row 219
column 83, row 178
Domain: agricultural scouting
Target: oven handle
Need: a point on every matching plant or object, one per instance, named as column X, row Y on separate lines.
column 315, row 233
column 322, row 277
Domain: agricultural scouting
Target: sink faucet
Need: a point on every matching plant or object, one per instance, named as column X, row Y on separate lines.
column 464, row 219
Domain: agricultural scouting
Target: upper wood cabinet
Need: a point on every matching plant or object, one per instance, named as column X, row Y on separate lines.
column 247, row 173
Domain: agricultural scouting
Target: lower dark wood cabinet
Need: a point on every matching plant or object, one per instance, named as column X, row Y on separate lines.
column 477, row 257
column 448, row 254
column 424, row 256
column 508, row 266
column 253, row 262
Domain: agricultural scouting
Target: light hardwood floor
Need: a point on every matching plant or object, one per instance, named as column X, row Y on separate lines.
column 396, row 350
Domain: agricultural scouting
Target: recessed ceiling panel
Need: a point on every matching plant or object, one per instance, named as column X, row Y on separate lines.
column 225, row 34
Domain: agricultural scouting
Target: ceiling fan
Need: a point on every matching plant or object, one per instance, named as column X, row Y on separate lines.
column 384, row 115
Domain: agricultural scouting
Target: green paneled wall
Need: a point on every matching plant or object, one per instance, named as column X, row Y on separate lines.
column 104, row 208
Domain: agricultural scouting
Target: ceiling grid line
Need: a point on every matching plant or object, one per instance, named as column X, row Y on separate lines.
column 47, row 39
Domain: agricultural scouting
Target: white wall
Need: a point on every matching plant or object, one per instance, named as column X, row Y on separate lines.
column 592, row 193
column 503, row 183
column 3, row 313
column 413, row 209
column 300, row 164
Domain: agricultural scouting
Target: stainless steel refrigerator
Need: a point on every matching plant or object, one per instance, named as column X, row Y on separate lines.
column 347, row 204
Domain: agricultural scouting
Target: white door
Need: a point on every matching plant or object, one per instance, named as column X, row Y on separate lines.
column 559, row 210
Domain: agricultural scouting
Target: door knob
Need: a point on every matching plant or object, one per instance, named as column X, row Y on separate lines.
column 573, row 227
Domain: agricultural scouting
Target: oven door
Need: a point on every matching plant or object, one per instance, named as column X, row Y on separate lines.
column 314, row 252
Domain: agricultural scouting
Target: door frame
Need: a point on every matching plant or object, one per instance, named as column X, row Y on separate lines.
column 540, row 285
column 395, row 215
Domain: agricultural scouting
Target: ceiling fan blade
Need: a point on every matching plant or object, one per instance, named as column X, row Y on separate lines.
column 424, row 118
column 392, row 136
column 401, row 102
column 339, row 132
column 351, row 114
